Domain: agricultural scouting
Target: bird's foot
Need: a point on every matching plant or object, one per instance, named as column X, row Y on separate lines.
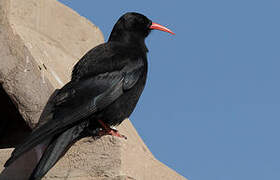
column 111, row 132
column 106, row 130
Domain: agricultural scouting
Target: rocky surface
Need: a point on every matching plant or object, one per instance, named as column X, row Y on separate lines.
column 40, row 41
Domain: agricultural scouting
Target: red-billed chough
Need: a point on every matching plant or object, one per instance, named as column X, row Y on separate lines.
column 104, row 90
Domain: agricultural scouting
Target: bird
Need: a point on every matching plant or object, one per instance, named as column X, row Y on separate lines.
column 104, row 89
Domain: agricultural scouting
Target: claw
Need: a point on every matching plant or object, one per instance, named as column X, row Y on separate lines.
column 109, row 131
column 112, row 132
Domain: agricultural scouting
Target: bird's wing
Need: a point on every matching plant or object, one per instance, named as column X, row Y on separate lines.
column 76, row 101
column 132, row 72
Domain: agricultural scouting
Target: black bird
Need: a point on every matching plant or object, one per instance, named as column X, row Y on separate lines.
column 104, row 90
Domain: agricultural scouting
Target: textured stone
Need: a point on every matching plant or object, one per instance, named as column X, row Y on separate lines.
column 40, row 41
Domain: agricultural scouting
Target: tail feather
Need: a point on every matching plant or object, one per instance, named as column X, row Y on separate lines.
column 56, row 149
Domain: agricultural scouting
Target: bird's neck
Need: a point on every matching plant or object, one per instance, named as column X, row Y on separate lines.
column 131, row 40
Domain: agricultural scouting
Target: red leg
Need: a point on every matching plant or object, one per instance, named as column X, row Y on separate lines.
column 109, row 131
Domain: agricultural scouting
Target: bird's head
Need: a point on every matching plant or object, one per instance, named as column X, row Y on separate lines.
column 134, row 26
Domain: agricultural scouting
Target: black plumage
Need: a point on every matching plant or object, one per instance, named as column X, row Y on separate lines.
column 106, row 85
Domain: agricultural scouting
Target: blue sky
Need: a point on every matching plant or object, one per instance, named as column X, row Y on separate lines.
column 211, row 106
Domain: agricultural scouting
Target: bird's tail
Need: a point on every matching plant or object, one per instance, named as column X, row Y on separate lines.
column 58, row 146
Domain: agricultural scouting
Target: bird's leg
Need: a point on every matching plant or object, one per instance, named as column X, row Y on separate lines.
column 109, row 131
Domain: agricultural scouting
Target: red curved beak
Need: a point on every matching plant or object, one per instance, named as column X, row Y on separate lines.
column 161, row 28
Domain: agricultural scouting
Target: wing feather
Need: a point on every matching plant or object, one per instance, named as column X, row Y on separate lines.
column 69, row 112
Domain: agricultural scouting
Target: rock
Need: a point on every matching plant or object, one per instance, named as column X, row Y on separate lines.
column 45, row 39
column 40, row 41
